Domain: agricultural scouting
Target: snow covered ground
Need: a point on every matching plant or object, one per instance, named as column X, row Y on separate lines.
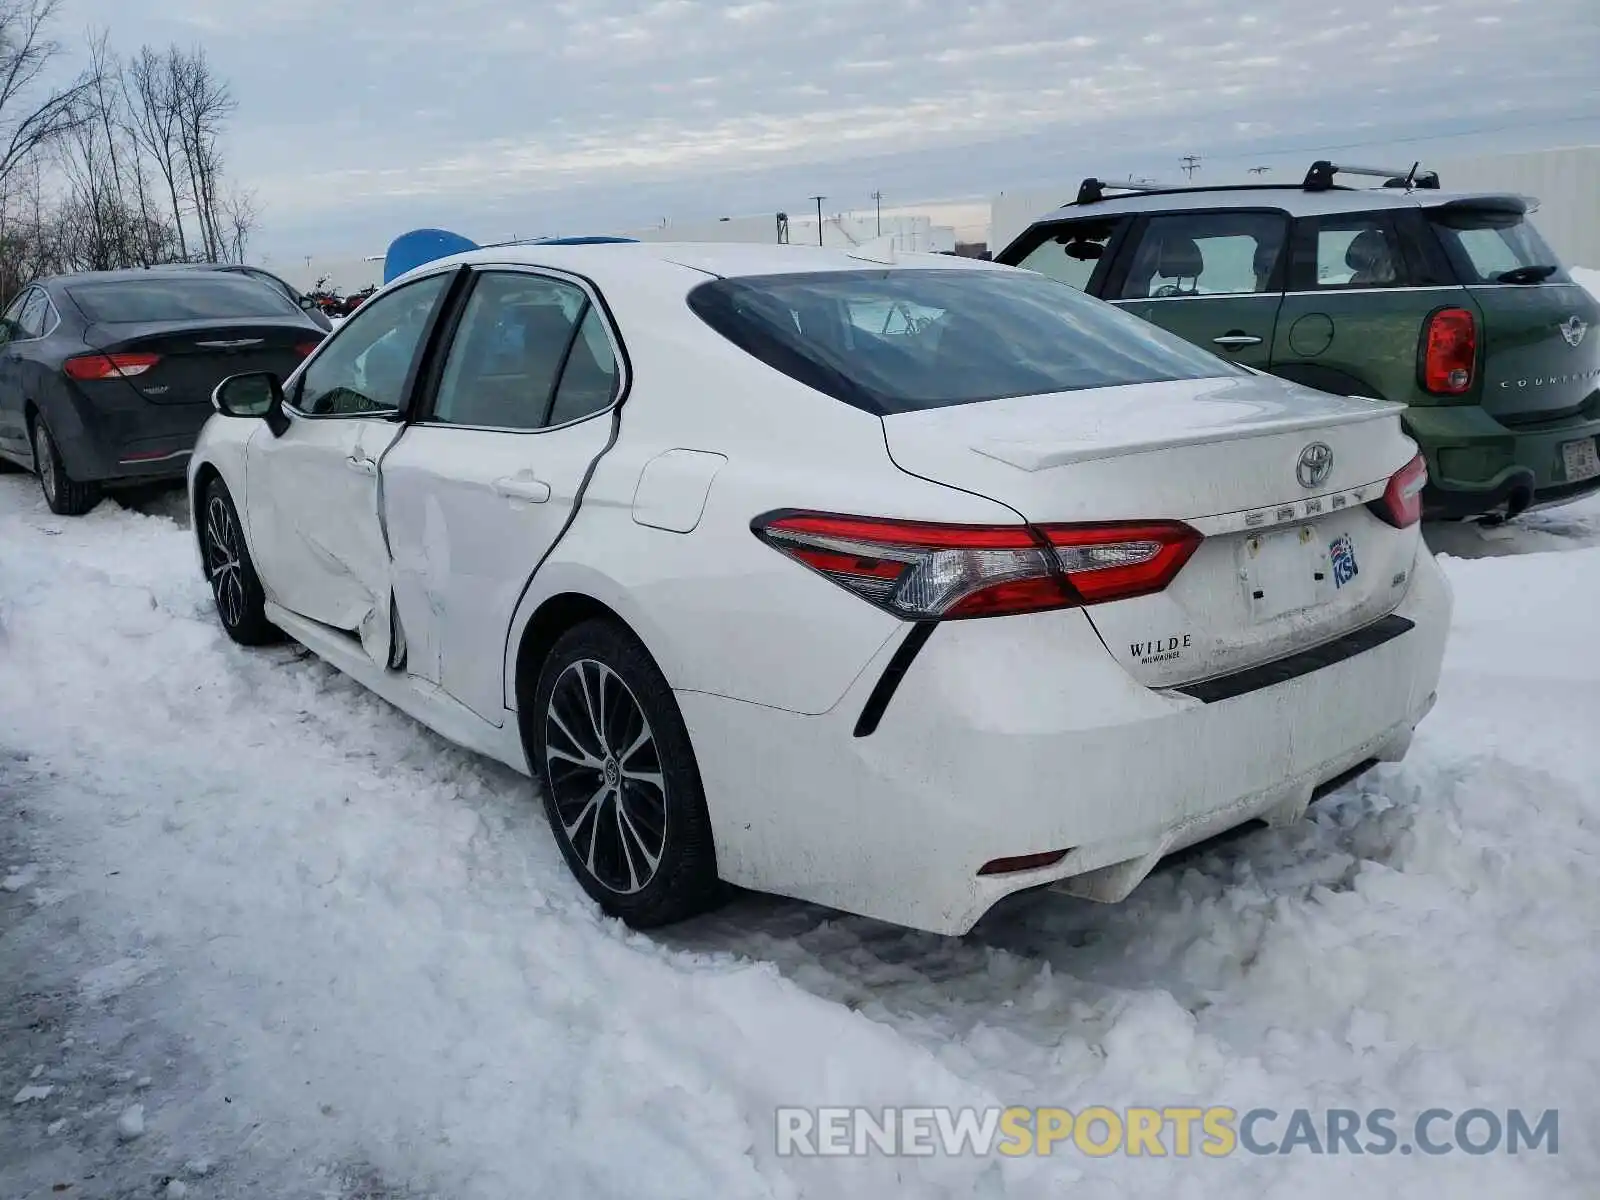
column 261, row 935
column 328, row 955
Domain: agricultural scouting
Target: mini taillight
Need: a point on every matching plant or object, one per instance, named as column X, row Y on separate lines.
column 923, row 571
column 1401, row 502
column 304, row 349
column 1449, row 351
column 91, row 367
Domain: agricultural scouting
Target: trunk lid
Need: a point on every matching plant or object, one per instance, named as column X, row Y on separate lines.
column 1541, row 350
column 195, row 356
column 1284, row 566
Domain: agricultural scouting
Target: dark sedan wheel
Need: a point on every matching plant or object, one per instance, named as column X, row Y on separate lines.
column 234, row 584
column 64, row 494
column 621, row 788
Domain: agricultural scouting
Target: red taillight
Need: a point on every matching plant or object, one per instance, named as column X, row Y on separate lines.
column 304, row 349
column 1449, row 352
column 91, row 367
column 923, row 571
column 1401, row 503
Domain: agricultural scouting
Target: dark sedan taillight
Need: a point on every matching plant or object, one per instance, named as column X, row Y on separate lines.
column 88, row 368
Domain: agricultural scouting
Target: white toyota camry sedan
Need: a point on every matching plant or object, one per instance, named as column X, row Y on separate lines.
column 898, row 586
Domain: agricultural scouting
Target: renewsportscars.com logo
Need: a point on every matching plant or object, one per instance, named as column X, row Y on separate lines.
column 1214, row 1132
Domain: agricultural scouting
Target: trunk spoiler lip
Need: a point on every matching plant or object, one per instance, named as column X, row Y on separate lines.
column 1043, row 455
column 99, row 335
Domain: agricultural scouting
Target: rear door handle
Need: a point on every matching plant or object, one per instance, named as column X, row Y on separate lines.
column 365, row 465
column 513, row 488
column 1237, row 340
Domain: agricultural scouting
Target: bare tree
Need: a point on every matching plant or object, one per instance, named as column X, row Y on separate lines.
column 238, row 223
column 125, row 168
column 155, row 116
column 27, row 124
column 204, row 105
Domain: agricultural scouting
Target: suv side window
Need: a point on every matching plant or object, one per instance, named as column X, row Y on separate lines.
column 530, row 352
column 1205, row 254
column 1071, row 253
column 366, row 364
column 1352, row 250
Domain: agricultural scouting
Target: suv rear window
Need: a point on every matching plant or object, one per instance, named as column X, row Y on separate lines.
column 901, row 340
column 1488, row 244
column 196, row 297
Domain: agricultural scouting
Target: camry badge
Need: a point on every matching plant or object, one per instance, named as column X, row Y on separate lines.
column 1316, row 464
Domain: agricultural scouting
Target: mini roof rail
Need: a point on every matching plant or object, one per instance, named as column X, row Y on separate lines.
column 1092, row 191
column 1320, row 177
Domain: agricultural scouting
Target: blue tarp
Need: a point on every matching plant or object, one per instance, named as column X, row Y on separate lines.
column 411, row 250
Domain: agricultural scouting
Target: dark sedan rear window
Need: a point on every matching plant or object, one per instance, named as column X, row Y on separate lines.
column 196, row 297
column 899, row 340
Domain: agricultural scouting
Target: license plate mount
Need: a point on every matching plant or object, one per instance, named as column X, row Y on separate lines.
column 1581, row 459
column 1290, row 570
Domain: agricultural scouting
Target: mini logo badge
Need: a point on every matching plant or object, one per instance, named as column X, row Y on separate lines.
column 1342, row 554
column 1315, row 465
column 1573, row 329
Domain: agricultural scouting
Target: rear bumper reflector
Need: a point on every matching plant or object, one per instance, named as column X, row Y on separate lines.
column 1023, row 862
column 150, row 456
column 878, row 701
column 1253, row 679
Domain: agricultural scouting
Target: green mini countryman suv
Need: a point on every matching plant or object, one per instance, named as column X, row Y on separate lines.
column 1450, row 304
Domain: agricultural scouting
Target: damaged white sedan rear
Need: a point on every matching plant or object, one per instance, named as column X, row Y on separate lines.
column 898, row 587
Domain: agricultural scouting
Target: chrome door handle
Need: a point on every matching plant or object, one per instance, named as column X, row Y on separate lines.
column 532, row 490
column 365, row 465
column 1236, row 341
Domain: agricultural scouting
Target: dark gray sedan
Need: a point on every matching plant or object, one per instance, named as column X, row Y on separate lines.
column 106, row 377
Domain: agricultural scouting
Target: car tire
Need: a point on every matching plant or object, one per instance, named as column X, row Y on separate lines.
column 621, row 787
column 235, row 586
column 64, row 494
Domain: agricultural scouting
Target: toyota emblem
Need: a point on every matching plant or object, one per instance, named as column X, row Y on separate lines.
column 1316, row 464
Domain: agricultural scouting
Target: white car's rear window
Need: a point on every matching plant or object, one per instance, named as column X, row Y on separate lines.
column 894, row 341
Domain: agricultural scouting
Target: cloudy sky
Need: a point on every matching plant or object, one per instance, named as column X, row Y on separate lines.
column 361, row 118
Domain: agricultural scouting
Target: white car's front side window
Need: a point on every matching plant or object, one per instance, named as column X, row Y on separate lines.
column 364, row 370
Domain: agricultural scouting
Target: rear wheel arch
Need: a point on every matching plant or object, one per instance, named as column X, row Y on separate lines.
column 550, row 620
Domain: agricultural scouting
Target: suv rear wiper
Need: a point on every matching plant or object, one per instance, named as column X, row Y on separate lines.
column 1536, row 274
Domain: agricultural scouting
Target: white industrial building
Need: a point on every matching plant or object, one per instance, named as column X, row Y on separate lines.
column 1566, row 183
column 909, row 233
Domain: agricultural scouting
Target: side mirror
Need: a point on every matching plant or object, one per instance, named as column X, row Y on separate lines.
column 257, row 394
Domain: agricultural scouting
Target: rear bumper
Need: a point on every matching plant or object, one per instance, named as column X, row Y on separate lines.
column 1476, row 465
column 1021, row 736
column 133, row 443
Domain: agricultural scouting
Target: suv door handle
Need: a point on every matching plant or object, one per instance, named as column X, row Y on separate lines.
column 514, row 488
column 1237, row 340
column 365, row 465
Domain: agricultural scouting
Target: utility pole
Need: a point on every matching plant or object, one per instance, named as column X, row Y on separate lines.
column 819, row 200
column 878, row 198
column 1191, row 164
